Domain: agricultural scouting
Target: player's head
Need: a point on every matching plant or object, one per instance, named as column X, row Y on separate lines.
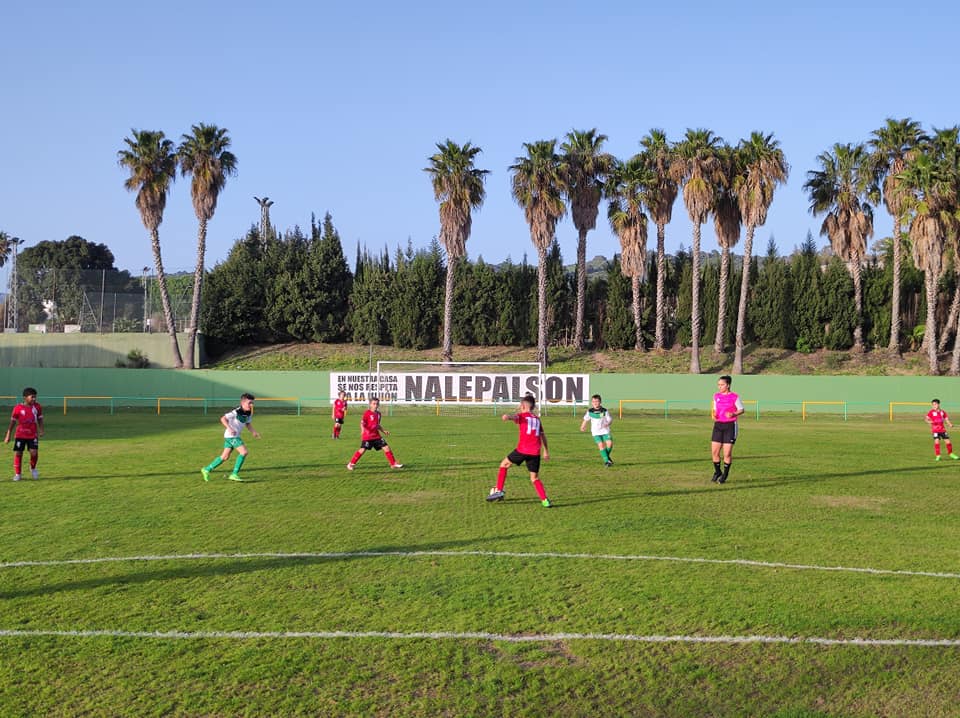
column 724, row 382
column 29, row 395
column 246, row 401
column 935, row 403
column 374, row 403
column 528, row 403
column 342, row 394
column 595, row 401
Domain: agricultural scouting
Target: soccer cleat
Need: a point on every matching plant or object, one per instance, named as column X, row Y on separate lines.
column 16, row 477
column 546, row 503
column 495, row 495
column 396, row 466
column 608, row 464
column 205, row 473
column 350, row 467
column 937, row 458
column 716, row 477
column 722, row 480
column 34, row 474
column 235, row 477
column 954, row 457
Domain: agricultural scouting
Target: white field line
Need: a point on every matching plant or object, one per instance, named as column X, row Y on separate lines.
column 483, row 636
column 484, row 554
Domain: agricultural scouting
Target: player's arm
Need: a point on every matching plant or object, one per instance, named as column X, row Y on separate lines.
column 738, row 408
column 13, row 424
column 40, row 426
column 583, row 424
column 543, row 443
column 252, row 430
column 927, row 419
column 510, row 417
column 225, row 421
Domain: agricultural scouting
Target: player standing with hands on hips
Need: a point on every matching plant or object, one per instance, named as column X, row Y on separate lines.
column 725, row 410
column 532, row 441
column 937, row 417
column 27, row 417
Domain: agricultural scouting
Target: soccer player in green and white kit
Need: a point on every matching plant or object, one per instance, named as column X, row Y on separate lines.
column 599, row 419
column 233, row 423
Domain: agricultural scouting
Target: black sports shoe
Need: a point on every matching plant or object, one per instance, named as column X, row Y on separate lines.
column 717, row 477
column 722, row 480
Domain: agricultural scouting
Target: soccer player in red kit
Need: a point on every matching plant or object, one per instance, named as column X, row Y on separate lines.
column 532, row 441
column 371, row 436
column 27, row 417
column 937, row 417
column 339, row 413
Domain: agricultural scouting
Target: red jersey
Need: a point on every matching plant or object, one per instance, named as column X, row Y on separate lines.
column 370, row 426
column 339, row 408
column 937, row 417
column 530, row 433
column 27, row 418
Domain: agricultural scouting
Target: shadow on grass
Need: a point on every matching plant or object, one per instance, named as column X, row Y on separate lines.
column 207, row 568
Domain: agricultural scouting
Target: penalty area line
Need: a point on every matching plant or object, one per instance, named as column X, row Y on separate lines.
column 338, row 555
column 484, row 636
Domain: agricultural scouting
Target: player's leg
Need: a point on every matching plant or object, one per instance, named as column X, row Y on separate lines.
column 391, row 458
column 17, row 463
column 715, row 448
column 34, row 455
column 727, row 461
column 936, row 448
column 241, row 457
column 496, row 493
column 356, row 457
column 223, row 456
column 608, row 447
column 601, row 448
column 946, row 438
column 538, row 485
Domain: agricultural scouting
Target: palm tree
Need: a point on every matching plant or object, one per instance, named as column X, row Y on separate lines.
column 538, row 186
column 627, row 187
column 6, row 247
column 458, row 187
column 931, row 177
column 726, row 223
column 660, row 158
column 699, row 169
column 585, row 170
column 204, row 155
column 152, row 162
column 890, row 147
column 763, row 168
column 840, row 189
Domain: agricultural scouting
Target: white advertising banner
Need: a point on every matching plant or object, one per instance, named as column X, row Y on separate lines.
column 479, row 388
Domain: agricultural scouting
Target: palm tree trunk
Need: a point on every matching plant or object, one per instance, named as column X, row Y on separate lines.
column 955, row 359
column 542, row 306
column 637, row 315
column 894, row 345
column 695, row 304
column 165, row 298
column 581, row 289
column 718, row 343
column 659, row 338
column 951, row 318
column 447, row 353
column 930, row 330
column 858, row 304
column 195, row 304
column 742, row 308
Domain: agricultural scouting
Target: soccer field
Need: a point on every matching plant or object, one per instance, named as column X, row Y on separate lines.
column 823, row 579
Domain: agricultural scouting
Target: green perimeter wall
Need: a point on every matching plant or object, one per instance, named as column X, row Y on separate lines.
column 772, row 391
column 87, row 350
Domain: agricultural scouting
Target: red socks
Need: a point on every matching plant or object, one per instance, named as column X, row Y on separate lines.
column 356, row 458
column 33, row 459
column 936, row 449
column 949, row 448
column 390, row 457
column 540, row 491
column 501, row 478
column 17, row 463
column 336, row 430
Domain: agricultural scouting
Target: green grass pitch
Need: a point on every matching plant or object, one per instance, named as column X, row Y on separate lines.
column 828, row 493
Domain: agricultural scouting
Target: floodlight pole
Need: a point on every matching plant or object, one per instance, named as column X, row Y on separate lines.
column 146, row 302
column 13, row 308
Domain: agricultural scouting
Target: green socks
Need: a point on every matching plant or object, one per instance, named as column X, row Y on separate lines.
column 239, row 463
column 213, row 464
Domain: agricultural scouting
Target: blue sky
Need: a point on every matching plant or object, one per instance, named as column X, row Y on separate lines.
column 336, row 106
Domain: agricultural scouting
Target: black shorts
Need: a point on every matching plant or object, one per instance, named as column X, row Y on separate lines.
column 941, row 435
column 532, row 460
column 338, row 420
column 725, row 432
column 375, row 444
column 28, row 444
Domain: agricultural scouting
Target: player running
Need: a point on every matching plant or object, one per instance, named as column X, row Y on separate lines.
column 725, row 410
column 937, row 417
column 233, row 423
column 532, row 440
column 27, row 417
column 371, row 436
column 599, row 420
column 339, row 413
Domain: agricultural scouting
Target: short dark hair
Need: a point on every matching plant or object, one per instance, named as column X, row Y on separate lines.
column 248, row 396
column 29, row 391
column 727, row 378
column 375, row 398
column 597, row 397
column 530, row 401
column 932, row 401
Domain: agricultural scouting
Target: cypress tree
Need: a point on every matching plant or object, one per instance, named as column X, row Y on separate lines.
column 808, row 297
column 618, row 331
column 838, row 306
column 770, row 301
